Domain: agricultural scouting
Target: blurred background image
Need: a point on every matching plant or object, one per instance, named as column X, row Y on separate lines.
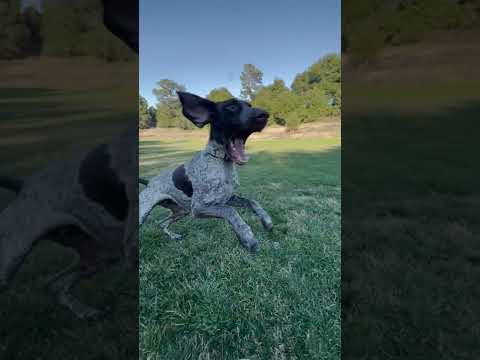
column 409, row 195
column 67, row 84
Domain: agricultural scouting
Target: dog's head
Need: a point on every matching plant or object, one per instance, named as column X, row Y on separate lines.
column 231, row 122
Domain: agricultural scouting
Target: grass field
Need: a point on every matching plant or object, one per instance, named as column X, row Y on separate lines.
column 410, row 225
column 204, row 297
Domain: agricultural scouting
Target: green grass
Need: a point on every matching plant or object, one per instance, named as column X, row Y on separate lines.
column 40, row 125
column 410, row 231
column 204, row 297
column 409, row 98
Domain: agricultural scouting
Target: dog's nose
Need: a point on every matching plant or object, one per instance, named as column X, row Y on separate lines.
column 262, row 115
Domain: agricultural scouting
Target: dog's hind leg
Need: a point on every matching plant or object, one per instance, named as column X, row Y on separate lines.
column 53, row 278
column 254, row 206
column 148, row 199
column 90, row 263
column 61, row 288
column 177, row 214
column 19, row 232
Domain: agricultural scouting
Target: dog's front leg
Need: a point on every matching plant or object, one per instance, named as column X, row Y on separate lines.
column 241, row 228
column 254, row 206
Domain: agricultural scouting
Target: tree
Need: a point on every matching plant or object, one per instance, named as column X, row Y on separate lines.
column 219, row 94
column 169, row 110
column 75, row 28
column 251, row 80
column 14, row 34
column 143, row 113
column 62, row 29
column 278, row 100
column 325, row 73
column 166, row 91
column 320, row 88
column 33, row 21
column 152, row 113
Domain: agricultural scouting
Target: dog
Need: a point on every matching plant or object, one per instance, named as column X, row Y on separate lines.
column 205, row 186
column 88, row 203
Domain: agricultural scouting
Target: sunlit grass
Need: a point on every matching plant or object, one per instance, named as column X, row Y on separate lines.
column 205, row 297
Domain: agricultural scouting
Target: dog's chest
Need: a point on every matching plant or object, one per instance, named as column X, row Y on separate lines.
column 214, row 180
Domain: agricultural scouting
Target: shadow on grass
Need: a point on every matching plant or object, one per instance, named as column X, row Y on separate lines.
column 17, row 93
column 42, row 125
column 410, row 226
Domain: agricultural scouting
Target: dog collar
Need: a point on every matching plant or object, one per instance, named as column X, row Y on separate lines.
column 216, row 151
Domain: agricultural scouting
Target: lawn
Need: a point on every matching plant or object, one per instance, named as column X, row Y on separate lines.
column 410, row 226
column 204, row 297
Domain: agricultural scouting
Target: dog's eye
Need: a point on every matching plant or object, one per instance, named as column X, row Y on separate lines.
column 232, row 107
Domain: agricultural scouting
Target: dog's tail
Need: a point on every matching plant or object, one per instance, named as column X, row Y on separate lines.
column 11, row 183
column 143, row 181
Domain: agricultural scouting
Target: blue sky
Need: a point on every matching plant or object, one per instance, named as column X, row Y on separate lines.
column 204, row 44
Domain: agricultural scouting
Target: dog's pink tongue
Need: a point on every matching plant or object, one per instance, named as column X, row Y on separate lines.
column 239, row 151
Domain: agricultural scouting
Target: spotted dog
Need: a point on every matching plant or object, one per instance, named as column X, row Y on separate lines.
column 87, row 203
column 205, row 186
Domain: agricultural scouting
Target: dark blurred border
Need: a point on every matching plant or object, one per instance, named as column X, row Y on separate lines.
column 410, row 196
column 68, row 84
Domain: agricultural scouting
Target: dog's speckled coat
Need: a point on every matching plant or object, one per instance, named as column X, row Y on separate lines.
column 214, row 181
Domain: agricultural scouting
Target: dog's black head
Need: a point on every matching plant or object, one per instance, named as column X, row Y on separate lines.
column 231, row 122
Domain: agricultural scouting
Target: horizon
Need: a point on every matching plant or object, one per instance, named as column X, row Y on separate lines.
column 279, row 51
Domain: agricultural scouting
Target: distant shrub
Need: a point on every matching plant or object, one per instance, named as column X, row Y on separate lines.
column 293, row 121
column 219, row 94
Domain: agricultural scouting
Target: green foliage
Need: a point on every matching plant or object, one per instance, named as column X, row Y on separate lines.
column 315, row 88
column 77, row 30
column 143, row 113
column 169, row 109
column 325, row 73
column 152, row 114
column 166, row 91
column 368, row 26
column 294, row 121
column 310, row 98
column 251, row 80
column 278, row 100
column 366, row 42
column 14, row 33
column 219, row 94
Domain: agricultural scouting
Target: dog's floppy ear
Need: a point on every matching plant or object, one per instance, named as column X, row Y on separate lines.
column 196, row 109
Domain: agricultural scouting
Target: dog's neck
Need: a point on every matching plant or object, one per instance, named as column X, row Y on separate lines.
column 216, row 150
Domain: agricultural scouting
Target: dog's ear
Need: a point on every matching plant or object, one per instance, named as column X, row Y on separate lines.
column 196, row 109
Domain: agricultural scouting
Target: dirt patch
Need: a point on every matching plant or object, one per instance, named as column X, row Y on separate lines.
column 446, row 56
column 329, row 128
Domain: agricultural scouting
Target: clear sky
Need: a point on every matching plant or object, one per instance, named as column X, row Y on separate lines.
column 203, row 44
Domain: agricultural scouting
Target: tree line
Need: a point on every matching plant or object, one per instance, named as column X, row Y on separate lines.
column 369, row 26
column 314, row 94
column 58, row 28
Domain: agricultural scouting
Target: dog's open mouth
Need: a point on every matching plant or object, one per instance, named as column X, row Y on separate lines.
column 236, row 151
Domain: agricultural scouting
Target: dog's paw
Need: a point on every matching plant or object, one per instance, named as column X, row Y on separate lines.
column 93, row 314
column 251, row 244
column 176, row 237
column 267, row 223
column 254, row 247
